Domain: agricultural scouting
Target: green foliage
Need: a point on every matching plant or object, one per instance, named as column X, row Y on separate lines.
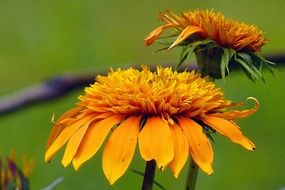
column 217, row 62
column 252, row 65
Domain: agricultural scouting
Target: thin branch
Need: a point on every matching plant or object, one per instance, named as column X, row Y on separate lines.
column 62, row 85
column 52, row 88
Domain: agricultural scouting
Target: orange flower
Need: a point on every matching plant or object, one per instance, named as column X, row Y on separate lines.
column 169, row 115
column 206, row 24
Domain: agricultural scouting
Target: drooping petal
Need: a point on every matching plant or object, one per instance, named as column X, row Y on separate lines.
column 200, row 147
column 65, row 135
column 187, row 32
column 72, row 145
column 151, row 37
column 155, row 142
column 230, row 130
column 57, row 128
column 70, row 113
column 235, row 114
column 120, row 148
column 93, row 139
column 181, row 150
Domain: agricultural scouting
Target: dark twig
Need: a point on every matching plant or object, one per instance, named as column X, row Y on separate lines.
column 62, row 85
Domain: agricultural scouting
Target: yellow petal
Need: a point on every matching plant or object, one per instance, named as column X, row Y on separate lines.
column 235, row 114
column 70, row 113
column 230, row 130
column 93, row 139
column 181, row 150
column 120, row 148
column 65, row 135
column 58, row 128
column 200, row 147
column 73, row 145
column 187, row 32
column 155, row 142
column 151, row 37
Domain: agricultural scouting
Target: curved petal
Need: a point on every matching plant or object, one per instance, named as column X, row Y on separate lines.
column 187, row 32
column 155, row 142
column 57, row 128
column 235, row 114
column 72, row 145
column 119, row 149
column 70, row 113
column 93, row 139
column 181, row 150
column 151, row 37
column 65, row 135
column 200, row 147
column 230, row 130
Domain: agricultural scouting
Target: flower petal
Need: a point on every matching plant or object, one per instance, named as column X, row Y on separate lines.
column 120, row 148
column 230, row 130
column 181, row 150
column 58, row 128
column 65, row 135
column 200, row 147
column 151, row 37
column 93, row 139
column 187, row 32
column 155, row 142
column 235, row 114
column 72, row 145
column 70, row 113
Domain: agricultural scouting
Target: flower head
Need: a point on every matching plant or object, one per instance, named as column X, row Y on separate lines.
column 217, row 42
column 169, row 114
column 210, row 25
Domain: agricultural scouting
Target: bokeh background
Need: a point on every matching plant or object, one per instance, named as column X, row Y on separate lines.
column 41, row 39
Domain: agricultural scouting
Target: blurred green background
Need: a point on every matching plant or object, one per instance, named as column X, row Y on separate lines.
column 40, row 39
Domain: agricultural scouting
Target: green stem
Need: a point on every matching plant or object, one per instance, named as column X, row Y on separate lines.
column 192, row 175
column 149, row 175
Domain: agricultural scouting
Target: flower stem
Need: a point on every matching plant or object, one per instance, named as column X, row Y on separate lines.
column 192, row 175
column 149, row 175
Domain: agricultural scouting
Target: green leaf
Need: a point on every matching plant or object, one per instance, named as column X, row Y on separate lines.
column 201, row 42
column 247, row 58
column 164, row 42
column 169, row 36
column 264, row 60
column 232, row 52
column 182, row 60
column 183, row 56
column 162, row 49
column 263, row 63
column 249, row 71
column 270, row 68
column 202, row 47
column 225, row 62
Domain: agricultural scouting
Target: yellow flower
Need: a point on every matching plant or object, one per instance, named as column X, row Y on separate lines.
column 210, row 25
column 169, row 114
